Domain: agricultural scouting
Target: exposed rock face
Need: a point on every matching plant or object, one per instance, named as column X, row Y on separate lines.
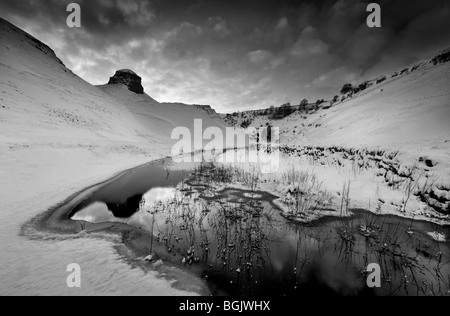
column 128, row 78
column 442, row 58
column 208, row 109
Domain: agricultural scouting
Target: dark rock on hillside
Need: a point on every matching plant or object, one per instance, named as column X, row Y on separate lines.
column 442, row 58
column 128, row 78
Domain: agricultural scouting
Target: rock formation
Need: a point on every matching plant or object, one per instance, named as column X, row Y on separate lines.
column 128, row 78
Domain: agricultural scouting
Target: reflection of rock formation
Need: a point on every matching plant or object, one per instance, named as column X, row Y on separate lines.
column 128, row 78
column 127, row 209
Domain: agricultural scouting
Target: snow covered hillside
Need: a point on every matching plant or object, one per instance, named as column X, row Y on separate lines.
column 42, row 99
column 59, row 133
column 408, row 111
column 409, row 108
column 397, row 127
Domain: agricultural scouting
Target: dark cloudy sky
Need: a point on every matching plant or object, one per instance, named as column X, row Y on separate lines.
column 236, row 55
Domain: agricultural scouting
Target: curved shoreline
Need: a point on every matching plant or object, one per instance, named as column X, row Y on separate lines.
column 55, row 221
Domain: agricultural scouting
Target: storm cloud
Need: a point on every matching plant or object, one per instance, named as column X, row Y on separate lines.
column 236, row 55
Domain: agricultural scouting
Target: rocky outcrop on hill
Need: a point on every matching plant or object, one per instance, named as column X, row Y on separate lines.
column 129, row 79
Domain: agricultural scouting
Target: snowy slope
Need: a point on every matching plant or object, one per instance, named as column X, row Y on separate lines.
column 404, row 112
column 159, row 119
column 375, row 137
column 408, row 113
column 46, row 109
column 40, row 97
column 409, row 109
column 60, row 134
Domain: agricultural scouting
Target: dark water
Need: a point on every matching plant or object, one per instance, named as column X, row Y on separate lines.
column 123, row 196
column 239, row 242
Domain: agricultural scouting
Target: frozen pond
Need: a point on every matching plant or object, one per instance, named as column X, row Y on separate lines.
column 234, row 241
column 237, row 241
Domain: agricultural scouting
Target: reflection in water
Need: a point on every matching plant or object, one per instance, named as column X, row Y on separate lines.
column 437, row 236
column 158, row 195
column 126, row 209
column 97, row 212
column 242, row 245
